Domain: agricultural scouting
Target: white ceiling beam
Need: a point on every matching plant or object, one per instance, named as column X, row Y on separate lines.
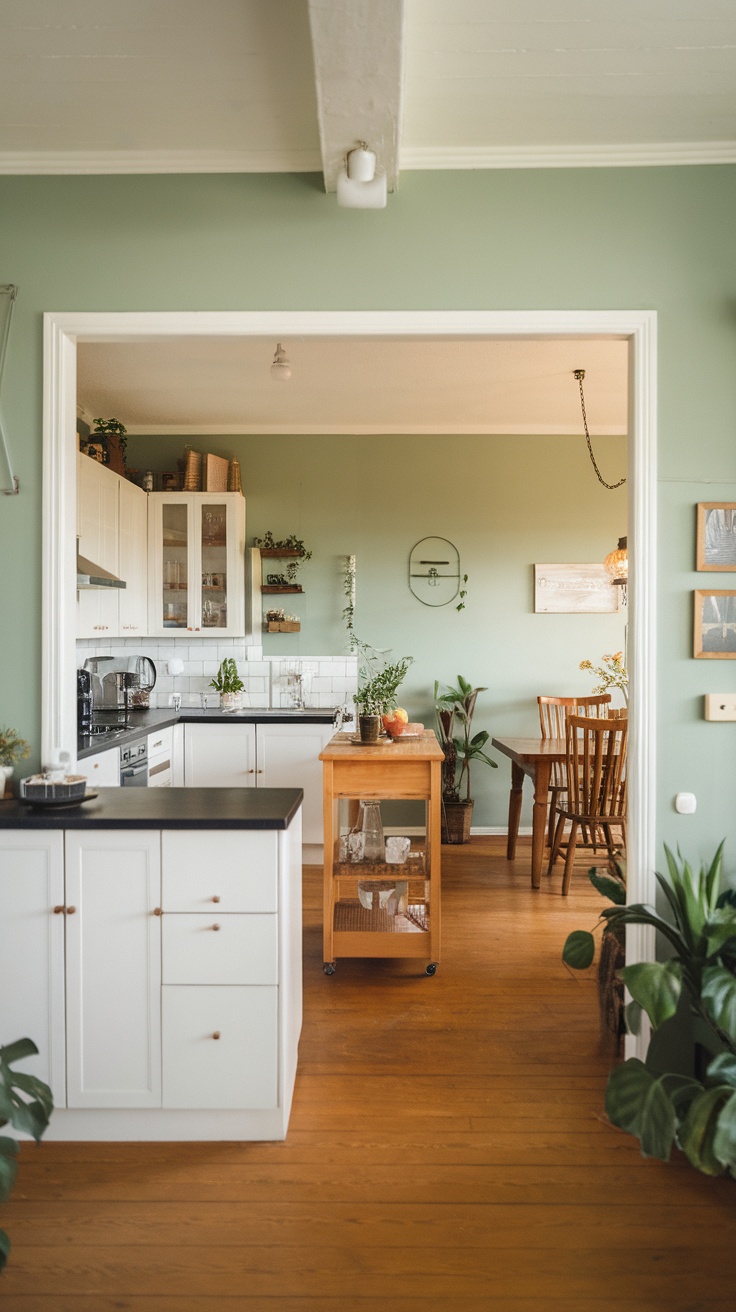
column 358, row 62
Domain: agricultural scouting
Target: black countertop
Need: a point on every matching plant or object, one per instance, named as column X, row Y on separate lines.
column 164, row 808
column 143, row 722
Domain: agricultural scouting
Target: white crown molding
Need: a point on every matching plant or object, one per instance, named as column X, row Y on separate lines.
column 159, row 161
column 625, row 155
column 412, row 157
column 355, row 429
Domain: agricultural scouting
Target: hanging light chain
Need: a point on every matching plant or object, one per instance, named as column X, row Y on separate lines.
column 580, row 374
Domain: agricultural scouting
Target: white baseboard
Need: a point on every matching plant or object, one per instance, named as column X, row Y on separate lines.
column 481, row 830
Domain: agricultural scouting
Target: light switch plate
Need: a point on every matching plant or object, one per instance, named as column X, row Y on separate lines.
column 720, row 706
column 686, row 803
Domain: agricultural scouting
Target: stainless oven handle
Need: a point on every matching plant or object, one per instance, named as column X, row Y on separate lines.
column 133, row 770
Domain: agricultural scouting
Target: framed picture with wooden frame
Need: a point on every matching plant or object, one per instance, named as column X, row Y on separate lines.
column 716, row 536
column 714, row 633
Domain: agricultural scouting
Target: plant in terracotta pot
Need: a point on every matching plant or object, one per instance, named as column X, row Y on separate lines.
column 229, row 684
column 376, row 693
column 455, row 708
column 13, row 748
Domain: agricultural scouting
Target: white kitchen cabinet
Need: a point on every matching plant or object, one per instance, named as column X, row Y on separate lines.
column 220, row 755
column 287, row 756
column 161, row 758
column 219, row 948
column 32, row 950
column 240, row 880
column 97, row 522
column 113, row 968
column 220, row 1047
column 102, row 769
column 196, row 554
column 264, row 756
column 132, row 559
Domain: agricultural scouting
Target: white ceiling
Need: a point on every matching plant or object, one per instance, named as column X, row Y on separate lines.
column 206, row 385
column 212, row 85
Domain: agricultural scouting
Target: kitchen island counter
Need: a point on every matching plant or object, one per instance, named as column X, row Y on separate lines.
column 163, row 808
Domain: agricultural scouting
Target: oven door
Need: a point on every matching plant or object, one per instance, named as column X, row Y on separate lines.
column 134, row 776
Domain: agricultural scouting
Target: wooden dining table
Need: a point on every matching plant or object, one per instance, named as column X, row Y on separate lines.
column 533, row 757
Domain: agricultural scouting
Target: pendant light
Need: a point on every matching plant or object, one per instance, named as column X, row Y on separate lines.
column 280, row 366
column 617, row 564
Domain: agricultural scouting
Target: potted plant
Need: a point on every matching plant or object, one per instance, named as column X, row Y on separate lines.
column 13, row 748
column 454, row 708
column 685, row 1090
column 229, row 684
column 579, row 949
column 26, row 1104
column 377, row 694
column 110, row 434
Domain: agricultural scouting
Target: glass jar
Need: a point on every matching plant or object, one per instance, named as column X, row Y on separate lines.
column 372, row 830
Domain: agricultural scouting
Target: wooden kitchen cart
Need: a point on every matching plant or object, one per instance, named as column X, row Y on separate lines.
column 399, row 770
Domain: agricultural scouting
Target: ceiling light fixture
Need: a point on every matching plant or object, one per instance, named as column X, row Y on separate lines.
column 359, row 187
column 617, row 564
column 280, row 366
column 580, row 374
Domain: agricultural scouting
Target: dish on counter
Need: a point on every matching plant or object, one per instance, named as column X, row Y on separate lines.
column 56, row 803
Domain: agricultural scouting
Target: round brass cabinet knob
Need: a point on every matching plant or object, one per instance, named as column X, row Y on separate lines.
column 216, row 1034
column 58, row 910
column 215, row 899
column 70, row 911
column 215, row 926
column 157, row 911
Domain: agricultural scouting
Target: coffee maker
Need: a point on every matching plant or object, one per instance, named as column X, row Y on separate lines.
column 84, row 701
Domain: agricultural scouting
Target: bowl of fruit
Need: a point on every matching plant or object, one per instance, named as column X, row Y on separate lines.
column 398, row 725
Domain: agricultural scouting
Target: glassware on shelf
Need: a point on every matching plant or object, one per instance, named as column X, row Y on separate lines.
column 372, row 830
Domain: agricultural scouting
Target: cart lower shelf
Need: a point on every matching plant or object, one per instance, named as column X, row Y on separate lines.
column 352, row 918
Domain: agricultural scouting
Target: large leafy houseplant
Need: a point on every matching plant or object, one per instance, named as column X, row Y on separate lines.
column 454, row 708
column 26, row 1104
column 579, row 949
column 690, row 1000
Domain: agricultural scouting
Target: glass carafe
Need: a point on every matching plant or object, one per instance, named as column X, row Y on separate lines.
column 372, row 830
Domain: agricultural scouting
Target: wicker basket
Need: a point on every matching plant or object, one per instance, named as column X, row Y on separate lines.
column 456, row 821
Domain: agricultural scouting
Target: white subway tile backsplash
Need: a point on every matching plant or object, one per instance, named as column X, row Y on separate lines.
column 193, row 669
column 210, row 668
column 343, row 685
column 321, row 685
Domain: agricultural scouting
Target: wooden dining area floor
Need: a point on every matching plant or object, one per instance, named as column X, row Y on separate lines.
column 447, row 1152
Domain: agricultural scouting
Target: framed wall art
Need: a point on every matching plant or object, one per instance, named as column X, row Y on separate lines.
column 574, row 590
column 714, row 634
column 716, row 537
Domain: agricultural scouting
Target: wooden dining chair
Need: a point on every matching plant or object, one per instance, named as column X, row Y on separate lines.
column 553, row 713
column 595, row 786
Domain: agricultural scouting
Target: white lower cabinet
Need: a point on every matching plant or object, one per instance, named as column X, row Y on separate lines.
column 220, row 1047
column 262, row 756
column 32, row 950
column 102, row 769
column 113, row 968
column 159, row 973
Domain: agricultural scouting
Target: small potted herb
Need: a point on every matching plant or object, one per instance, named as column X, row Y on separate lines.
column 13, row 748
column 229, row 684
column 377, row 694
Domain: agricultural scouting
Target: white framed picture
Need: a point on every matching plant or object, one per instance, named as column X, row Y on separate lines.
column 575, row 590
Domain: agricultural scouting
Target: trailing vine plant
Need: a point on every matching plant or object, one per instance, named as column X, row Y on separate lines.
column 292, row 543
column 462, row 594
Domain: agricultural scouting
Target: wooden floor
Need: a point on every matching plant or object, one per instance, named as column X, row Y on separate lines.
column 447, row 1153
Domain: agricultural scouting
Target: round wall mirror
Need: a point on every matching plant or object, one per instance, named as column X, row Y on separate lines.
column 434, row 571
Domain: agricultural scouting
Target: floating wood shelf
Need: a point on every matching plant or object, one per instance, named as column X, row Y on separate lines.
column 281, row 587
column 278, row 553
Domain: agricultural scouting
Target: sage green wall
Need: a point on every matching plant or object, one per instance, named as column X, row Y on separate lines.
column 504, row 501
column 597, row 238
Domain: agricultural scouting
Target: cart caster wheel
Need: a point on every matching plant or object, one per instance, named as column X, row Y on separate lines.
column 431, row 968
column 329, row 968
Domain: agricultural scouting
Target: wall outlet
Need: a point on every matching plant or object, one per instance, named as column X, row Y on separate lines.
column 720, row 706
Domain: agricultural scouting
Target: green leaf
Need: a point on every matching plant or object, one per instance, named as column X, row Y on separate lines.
column 719, row 995
column 608, row 887
column 15, row 1051
column 579, row 949
column 632, row 1015
column 480, row 739
column 722, row 1069
column 656, row 986
column 8, row 1165
column 720, row 929
column 697, row 1132
column 637, row 1102
column 724, row 1138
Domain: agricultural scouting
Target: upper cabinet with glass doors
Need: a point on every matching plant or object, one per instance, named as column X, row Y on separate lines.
column 196, row 562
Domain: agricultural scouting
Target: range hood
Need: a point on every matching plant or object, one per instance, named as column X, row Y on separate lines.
column 90, row 575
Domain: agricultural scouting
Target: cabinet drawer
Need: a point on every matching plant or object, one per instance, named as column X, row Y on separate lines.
column 243, row 878
column 236, row 1070
column 161, row 743
column 101, row 770
column 217, row 949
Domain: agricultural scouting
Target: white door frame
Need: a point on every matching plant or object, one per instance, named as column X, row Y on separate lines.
column 639, row 327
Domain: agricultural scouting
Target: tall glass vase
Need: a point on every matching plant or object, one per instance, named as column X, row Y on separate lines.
column 372, row 829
